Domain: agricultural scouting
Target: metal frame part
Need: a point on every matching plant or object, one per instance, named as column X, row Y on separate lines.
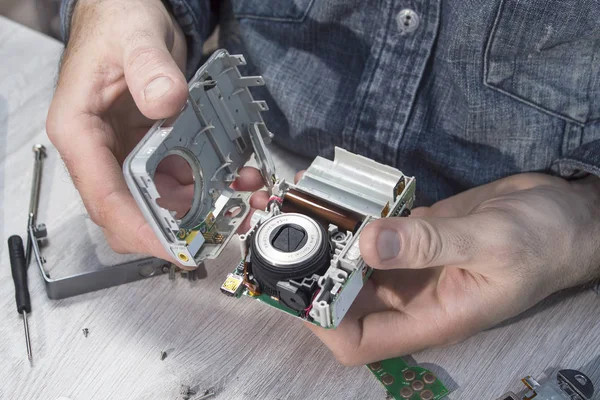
column 352, row 181
column 91, row 281
column 40, row 153
column 87, row 281
column 216, row 132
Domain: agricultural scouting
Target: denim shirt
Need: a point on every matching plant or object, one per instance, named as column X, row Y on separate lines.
column 456, row 93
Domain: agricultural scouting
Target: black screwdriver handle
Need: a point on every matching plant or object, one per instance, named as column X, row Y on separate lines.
column 19, row 273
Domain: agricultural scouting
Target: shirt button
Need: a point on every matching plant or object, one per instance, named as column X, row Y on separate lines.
column 408, row 21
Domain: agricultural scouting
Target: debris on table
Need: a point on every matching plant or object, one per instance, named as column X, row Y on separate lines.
column 86, row 332
column 186, row 392
column 163, row 355
column 192, row 276
column 207, row 395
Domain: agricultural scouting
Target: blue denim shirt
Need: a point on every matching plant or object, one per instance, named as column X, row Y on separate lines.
column 456, row 93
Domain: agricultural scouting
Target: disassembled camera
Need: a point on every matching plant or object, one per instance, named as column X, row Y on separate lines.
column 569, row 385
column 301, row 254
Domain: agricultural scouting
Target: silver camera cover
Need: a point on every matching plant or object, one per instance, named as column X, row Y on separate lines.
column 216, row 132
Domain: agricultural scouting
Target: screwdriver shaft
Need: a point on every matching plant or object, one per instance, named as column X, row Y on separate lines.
column 27, row 339
column 39, row 154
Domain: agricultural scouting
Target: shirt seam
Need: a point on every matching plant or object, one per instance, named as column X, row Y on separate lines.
column 363, row 104
column 419, row 80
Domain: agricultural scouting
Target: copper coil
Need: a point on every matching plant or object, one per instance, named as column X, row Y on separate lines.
column 296, row 201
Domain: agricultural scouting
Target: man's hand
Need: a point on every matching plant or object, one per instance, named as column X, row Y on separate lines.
column 467, row 263
column 121, row 69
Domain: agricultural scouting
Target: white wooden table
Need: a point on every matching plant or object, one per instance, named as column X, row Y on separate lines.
column 242, row 349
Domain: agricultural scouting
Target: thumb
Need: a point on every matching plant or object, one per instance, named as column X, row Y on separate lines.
column 156, row 83
column 414, row 243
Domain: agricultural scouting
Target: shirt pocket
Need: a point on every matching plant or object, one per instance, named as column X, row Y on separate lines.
column 546, row 53
column 272, row 10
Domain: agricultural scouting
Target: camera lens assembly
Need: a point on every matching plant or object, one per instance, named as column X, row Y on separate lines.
column 301, row 254
column 289, row 252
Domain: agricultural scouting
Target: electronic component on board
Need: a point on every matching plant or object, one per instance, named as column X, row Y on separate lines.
column 232, row 285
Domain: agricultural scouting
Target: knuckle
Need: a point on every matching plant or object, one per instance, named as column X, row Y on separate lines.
column 117, row 248
column 526, row 181
column 56, row 120
column 425, row 243
column 145, row 238
column 97, row 215
column 505, row 241
column 487, row 207
column 510, row 185
column 114, row 243
column 147, row 60
column 423, row 211
column 346, row 358
column 101, row 209
column 519, row 182
column 52, row 124
column 444, row 208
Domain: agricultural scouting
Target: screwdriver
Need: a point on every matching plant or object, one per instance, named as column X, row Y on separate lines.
column 18, row 267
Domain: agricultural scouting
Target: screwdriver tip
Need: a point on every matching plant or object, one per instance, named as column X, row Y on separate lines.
column 27, row 339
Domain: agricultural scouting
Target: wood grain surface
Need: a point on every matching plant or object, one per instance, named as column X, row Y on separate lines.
column 242, row 349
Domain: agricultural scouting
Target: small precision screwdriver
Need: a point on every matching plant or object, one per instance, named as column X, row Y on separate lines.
column 18, row 267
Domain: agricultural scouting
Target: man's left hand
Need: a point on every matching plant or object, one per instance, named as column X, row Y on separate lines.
column 467, row 263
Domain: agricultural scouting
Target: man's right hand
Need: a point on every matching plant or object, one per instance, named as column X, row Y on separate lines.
column 122, row 68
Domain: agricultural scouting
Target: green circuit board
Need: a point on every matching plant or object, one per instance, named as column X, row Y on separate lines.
column 404, row 196
column 238, row 291
column 265, row 298
column 404, row 382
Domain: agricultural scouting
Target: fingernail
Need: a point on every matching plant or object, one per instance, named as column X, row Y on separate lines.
column 157, row 88
column 388, row 245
